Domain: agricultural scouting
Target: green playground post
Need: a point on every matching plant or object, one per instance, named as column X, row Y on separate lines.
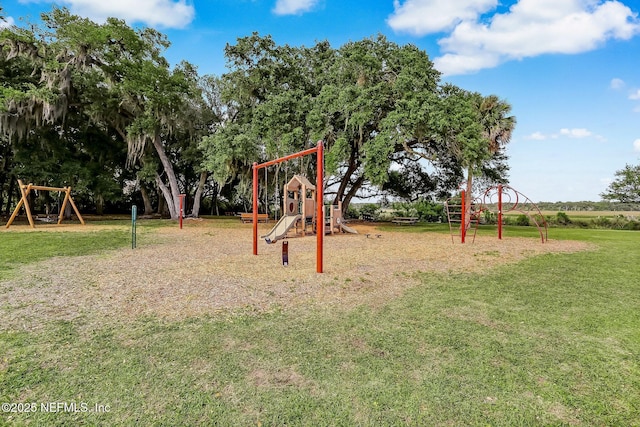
column 134, row 217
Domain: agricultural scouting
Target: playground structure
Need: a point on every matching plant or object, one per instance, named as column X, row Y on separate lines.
column 499, row 199
column 24, row 200
column 299, row 207
column 334, row 221
column 289, row 220
column 300, row 212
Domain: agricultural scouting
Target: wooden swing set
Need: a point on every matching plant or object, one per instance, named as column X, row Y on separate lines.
column 26, row 189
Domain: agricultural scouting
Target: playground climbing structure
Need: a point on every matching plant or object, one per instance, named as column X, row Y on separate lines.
column 455, row 208
column 498, row 200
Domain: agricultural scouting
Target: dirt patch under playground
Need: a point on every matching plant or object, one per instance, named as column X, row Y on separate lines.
column 208, row 268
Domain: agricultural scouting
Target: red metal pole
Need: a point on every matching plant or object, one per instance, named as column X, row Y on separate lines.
column 319, row 151
column 306, row 152
column 181, row 197
column 463, row 222
column 499, row 211
column 255, row 208
column 320, row 208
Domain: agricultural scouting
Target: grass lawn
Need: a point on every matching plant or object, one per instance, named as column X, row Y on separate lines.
column 32, row 246
column 594, row 214
column 551, row 340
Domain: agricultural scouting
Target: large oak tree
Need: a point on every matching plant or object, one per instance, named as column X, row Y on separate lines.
column 380, row 108
column 108, row 77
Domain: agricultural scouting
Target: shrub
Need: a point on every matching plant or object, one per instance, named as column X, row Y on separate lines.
column 619, row 222
column 551, row 220
column 430, row 212
column 404, row 209
column 522, row 220
column 425, row 210
column 370, row 211
column 602, row 222
column 489, row 217
column 632, row 225
column 385, row 216
column 562, row 218
column 581, row 223
column 352, row 212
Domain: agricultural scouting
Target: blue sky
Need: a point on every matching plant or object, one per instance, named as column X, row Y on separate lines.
column 569, row 68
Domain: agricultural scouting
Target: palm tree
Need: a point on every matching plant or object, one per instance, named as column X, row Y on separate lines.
column 496, row 130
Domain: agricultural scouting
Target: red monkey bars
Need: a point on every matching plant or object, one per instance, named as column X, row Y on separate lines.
column 319, row 151
column 502, row 197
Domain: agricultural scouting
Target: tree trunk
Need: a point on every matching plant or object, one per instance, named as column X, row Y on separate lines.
column 351, row 194
column 351, row 169
column 198, row 196
column 3, row 176
column 168, row 199
column 171, row 192
column 162, row 205
column 68, row 211
column 99, row 204
column 218, row 189
column 468, row 199
column 146, row 200
column 10, row 194
column 214, row 199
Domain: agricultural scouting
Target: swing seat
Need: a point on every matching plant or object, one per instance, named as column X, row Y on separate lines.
column 47, row 219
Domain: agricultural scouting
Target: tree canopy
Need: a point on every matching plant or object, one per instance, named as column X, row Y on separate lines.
column 98, row 107
column 386, row 120
column 74, row 78
column 625, row 188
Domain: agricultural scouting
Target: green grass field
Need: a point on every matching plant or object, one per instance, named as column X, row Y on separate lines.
column 552, row 340
column 594, row 214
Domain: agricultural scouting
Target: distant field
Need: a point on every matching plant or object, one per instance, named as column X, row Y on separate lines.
column 594, row 214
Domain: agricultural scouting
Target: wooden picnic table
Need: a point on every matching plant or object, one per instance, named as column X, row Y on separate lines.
column 405, row 220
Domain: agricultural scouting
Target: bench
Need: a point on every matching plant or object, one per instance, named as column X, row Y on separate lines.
column 405, row 220
column 248, row 217
column 367, row 217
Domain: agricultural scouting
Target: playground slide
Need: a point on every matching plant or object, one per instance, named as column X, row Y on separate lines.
column 281, row 228
column 348, row 229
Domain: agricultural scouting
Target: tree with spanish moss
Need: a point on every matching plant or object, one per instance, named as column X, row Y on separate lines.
column 112, row 76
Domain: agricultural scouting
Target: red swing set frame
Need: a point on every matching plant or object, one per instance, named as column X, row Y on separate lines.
column 319, row 152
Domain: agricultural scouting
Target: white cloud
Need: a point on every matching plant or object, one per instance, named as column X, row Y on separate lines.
column 8, row 21
column 635, row 96
column 617, row 84
column 581, row 133
column 293, row 7
column 636, row 145
column 529, row 28
column 576, row 133
column 420, row 17
column 155, row 13
column 537, row 136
